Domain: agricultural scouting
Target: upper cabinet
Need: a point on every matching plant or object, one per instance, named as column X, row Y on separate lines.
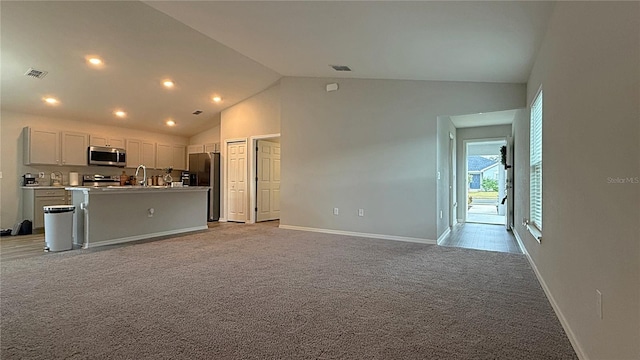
column 74, row 148
column 50, row 147
column 171, row 155
column 195, row 149
column 41, row 146
column 108, row 141
column 140, row 152
column 212, row 147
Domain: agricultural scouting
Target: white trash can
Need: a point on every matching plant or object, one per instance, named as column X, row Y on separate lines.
column 58, row 227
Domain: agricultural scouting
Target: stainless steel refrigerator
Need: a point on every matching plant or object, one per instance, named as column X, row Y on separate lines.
column 204, row 170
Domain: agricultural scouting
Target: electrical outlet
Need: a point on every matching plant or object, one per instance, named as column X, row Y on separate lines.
column 336, row 211
column 360, row 212
column 151, row 212
column 41, row 175
column 599, row 303
column 440, row 214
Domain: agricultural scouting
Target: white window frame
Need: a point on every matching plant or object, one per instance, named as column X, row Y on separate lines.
column 535, row 166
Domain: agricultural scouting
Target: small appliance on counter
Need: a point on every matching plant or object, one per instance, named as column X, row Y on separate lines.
column 73, row 179
column 29, row 179
column 184, row 177
column 100, row 180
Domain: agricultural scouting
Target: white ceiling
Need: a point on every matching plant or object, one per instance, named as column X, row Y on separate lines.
column 415, row 40
column 238, row 48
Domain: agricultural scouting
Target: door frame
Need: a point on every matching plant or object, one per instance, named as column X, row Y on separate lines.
column 453, row 218
column 252, row 161
column 223, row 174
column 465, row 144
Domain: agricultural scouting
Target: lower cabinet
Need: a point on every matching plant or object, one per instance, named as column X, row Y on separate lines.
column 34, row 199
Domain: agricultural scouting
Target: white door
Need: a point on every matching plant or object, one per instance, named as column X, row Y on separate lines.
column 237, row 181
column 268, row 181
column 510, row 215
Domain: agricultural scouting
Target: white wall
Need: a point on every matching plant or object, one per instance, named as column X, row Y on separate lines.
column 258, row 115
column 211, row 135
column 473, row 133
column 588, row 66
column 371, row 145
column 445, row 127
column 12, row 156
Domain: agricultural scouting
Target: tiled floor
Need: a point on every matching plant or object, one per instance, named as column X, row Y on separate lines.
column 482, row 237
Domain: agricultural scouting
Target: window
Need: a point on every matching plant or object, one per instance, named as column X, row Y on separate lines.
column 535, row 175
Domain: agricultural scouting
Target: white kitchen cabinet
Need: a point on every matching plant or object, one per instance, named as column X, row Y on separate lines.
column 52, row 147
column 140, row 152
column 171, row 155
column 179, row 157
column 195, row 149
column 34, row 199
column 133, row 150
column 164, row 156
column 149, row 154
column 41, row 146
column 212, row 147
column 108, row 141
column 74, row 148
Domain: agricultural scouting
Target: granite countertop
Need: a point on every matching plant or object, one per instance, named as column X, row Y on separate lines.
column 129, row 189
column 46, row 187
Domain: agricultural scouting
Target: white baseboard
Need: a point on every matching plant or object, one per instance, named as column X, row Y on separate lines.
column 444, row 234
column 563, row 321
column 358, row 234
column 222, row 220
column 142, row 237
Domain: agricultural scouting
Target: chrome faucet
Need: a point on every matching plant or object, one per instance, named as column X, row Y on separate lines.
column 144, row 173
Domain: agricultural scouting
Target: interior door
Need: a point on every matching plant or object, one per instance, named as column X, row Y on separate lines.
column 510, row 169
column 237, row 181
column 268, row 181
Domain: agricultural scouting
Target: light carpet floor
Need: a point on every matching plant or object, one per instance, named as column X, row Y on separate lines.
column 260, row 292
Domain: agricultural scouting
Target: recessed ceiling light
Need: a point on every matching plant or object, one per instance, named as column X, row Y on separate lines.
column 51, row 101
column 120, row 113
column 217, row 99
column 168, row 83
column 171, row 122
column 94, row 61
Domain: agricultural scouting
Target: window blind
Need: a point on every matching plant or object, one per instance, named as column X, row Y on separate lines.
column 535, row 163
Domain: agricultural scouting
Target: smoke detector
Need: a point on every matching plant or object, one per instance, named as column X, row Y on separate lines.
column 340, row 67
column 34, row 73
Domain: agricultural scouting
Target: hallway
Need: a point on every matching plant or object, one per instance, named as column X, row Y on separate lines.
column 482, row 237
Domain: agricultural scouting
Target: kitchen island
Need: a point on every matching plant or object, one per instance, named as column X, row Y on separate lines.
column 118, row 214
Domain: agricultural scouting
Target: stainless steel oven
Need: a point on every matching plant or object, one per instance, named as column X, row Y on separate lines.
column 106, row 156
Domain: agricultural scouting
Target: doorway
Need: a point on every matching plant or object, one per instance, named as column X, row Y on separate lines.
column 267, row 180
column 485, row 182
column 264, row 172
column 237, row 181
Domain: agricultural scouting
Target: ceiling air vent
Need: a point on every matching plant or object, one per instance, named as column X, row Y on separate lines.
column 38, row 74
column 340, row 67
column 197, row 112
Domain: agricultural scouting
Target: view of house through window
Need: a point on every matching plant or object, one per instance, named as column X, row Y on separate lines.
column 486, row 182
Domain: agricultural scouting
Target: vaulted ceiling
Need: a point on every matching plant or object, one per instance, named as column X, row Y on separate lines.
column 235, row 49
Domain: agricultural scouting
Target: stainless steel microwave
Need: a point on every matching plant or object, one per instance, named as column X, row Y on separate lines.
column 106, row 156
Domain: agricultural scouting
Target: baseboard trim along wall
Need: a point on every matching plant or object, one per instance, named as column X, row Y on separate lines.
column 563, row 321
column 358, row 234
column 143, row 237
column 444, row 234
